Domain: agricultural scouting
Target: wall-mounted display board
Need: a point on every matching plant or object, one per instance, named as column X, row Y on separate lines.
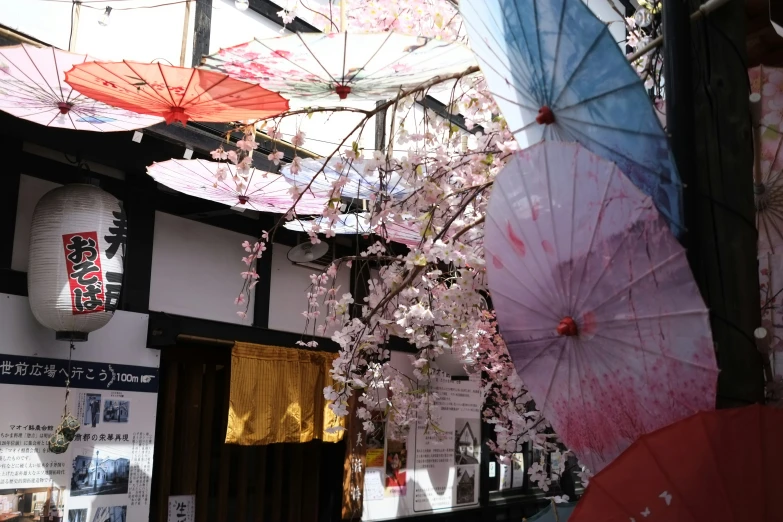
column 105, row 475
column 422, row 474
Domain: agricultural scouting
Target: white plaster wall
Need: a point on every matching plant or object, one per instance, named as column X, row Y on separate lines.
column 195, row 270
column 132, row 34
column 288, row 290
column 30, row 191
column 230, row 26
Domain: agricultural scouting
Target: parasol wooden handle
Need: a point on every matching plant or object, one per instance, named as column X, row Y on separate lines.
column 755, row 113
column 343, row 17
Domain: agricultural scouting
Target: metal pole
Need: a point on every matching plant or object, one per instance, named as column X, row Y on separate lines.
column 95, row 480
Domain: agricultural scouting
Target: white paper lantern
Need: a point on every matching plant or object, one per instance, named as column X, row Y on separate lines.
column 77, row 248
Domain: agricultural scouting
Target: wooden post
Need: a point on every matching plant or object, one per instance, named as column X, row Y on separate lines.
column 166, row 446
column 708, row 120
column 76, row 13
column 185, row 33
column 201, row 31
column 9, row 200
column 225, row 449
column 353, row 477
column 205, row 443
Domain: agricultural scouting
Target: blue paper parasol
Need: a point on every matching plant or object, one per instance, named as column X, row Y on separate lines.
column 344, row 224
column 557, row 74
column 364, row 181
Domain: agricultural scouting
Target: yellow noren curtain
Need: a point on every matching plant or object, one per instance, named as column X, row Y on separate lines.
column 277, row 396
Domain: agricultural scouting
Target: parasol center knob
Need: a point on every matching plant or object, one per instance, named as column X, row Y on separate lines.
column 243, row 200
column 567, row 327
column 64, row 107
column 545, row 116
column 342, row 91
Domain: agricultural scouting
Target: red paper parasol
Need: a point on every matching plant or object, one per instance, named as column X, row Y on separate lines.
column 32, row 87
column 175, row 93
column 595, row 300
column 721, row 466
column 222, row 183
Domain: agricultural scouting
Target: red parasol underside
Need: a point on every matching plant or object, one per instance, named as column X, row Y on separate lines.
column 175, row 93
column 720, row 466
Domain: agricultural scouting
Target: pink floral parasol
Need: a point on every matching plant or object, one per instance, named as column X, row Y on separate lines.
column 32, row 87
column 333, row 66
column 225, row 183
column 404, row 232
column 595, row 300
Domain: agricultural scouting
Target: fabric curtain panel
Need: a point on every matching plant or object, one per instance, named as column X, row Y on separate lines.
column 277, row 396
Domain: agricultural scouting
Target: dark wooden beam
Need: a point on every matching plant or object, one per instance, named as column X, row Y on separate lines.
column 205, row 443
column 224, row 469
column 164, row 330
column 201, row 30
column 441, row 110
column 164, row 453
column 219, row 131
column 263, row 290
column 360, row 279
column 8, row 199
column 63, row 173
column 269, row 10
column 139, row 201
column 712, row 129
column 13, row 282
column 187, row 432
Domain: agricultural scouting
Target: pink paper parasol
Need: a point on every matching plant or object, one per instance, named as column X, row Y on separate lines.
column 595, row 300
column 405, row 232
column 330, row 67
column 32, row 87
column 221, row 183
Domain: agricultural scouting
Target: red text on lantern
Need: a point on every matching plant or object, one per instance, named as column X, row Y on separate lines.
column 85, row 275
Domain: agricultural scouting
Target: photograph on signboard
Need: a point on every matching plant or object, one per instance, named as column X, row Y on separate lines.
column 466, row 484
column 92, row 409
column 77, row 515
column 396, row 467
column 17, row 504
column 116, row 411
column 100, row 471
column 466, row 441
column 375, row 442
column 110, row 514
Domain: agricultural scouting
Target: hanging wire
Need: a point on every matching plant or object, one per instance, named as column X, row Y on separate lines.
column 86, row 4
column 68, row 380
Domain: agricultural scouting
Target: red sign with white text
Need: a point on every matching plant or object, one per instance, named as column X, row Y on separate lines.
column 85, row 275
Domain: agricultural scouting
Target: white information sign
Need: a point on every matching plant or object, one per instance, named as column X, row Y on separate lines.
column 105, row 474
column 182, row 508
column 425, row 473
